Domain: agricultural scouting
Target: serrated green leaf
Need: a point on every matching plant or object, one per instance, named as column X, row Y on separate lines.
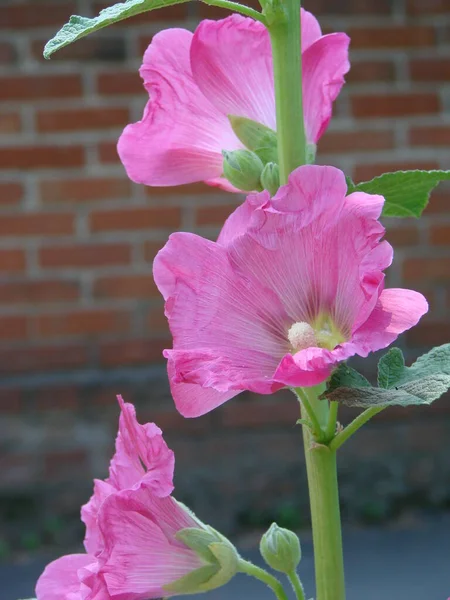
column 390, row 368
column 406, row 192
column 78, row 27
column 418, row 391
column 344, row 376
column 434, row 362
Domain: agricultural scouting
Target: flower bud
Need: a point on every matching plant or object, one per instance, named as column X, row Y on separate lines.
column 220, row 559
column 280, row 548
column 270, row 178
column 243, row 169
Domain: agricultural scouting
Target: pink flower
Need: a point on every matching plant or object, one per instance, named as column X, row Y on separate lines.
column 293, row 286
column 145, row 556
column 142, row 460
column 225, row 68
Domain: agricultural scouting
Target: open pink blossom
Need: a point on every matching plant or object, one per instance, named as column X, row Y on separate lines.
column 142, row 554
column 293, row 286
column 225, row 68
column 142, row 460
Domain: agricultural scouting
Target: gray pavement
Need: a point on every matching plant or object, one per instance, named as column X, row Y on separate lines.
column 381, row 564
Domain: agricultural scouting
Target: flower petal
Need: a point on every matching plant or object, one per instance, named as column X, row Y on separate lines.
column 60, row 581
column 89, row 512
column 232, row 64
column 325, row 63
column 181, row 135
column 311, row 30
column 305, row 368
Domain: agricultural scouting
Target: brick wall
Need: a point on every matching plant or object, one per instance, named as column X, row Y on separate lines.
column 81, row 319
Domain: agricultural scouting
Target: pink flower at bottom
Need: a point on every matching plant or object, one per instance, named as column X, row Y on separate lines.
column 195, row 81
column 293, row 286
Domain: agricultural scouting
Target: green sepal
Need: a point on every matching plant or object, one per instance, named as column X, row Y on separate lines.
column 243, row 169
column 280, row 548
column 270, row 178
column 192, row 583
column 198, row 540
column 252, row 134
column 78, row 27
column 406, row 193
column 391, row 367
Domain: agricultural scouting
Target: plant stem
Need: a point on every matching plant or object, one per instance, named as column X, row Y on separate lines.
column 332, row 421
column 306, row 405
column 358, row 422
column 325, row 518
column 239, row 8
column 275, row 585
column 296, row 585
column 285, row 36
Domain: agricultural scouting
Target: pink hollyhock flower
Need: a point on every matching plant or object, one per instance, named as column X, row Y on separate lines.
column 142, row 459
column 225, row 68
column 293, row 286
column 146, row 554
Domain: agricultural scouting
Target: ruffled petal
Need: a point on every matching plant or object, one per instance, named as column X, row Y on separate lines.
column 60, row 581
column 305, row 368
column 181, row 135
column 311, row 30
column 232, row 64
column 325, row 63
column 218, row 320
column 89, row 513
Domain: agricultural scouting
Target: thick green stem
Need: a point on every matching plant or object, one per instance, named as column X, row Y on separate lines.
column 325, row 518
column 272, row 582
column 296, row 585
column 354, row 426
column 285, row 36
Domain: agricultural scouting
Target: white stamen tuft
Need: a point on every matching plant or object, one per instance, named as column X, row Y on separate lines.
column 301, row 335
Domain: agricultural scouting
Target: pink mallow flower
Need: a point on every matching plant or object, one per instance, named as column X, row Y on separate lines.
column 195, row 81
column 293, row 286
column 142, row 460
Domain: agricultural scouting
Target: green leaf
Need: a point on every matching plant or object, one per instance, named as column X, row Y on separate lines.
column 344, row 376
column 390, row 368
column 419, row 391
column 351, row 187
column 78, row 27
column 406, row 192
column 434, row 362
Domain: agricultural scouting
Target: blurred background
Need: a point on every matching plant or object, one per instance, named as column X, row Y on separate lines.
column 81, row 319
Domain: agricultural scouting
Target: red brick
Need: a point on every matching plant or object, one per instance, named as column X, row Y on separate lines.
column 12, row 261
column 84, row 189
column 41, row 359
column 34, row 292
column 143, row 43
column 119, row 83
column 438, row 135
column 107, row 152
column 430, row 69
column 125, row 286
column 403, row 236
column 36, row 224
column 39, row 87
column 392, row 37
column 439, row 201
column 41, row 157
column 355, row 141
column 9, row 400
column 8, row 54
column 370, row 71
column 92, row 48
column 82, row 322
column 56, row 398
column 213, row 215
column 13, row 327
column 349, row 7
column 367, row 172
column 10, row 122
column 190, row 189
column 260, row 413
column 427, row 7
column 84, row 256
column 427, row 334
column 157, row 321
column 395, row 105
column 81, row 118
column 10, row 193
column 134, row 219
column 27, row 15
column 132, row 352
column 435, row 269
column 440, row 236
column 64, row 463
column 151, row 249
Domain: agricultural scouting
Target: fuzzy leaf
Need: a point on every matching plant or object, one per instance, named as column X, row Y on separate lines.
column 78, row 27
column 434, row 362
column 344, row 376
column 418, row 391
column 406, row 192
column 390, row 368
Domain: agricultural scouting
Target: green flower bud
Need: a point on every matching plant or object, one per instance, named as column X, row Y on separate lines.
column 220, row 558
column 243, row 169
column 270, row 178
column 280, row 548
